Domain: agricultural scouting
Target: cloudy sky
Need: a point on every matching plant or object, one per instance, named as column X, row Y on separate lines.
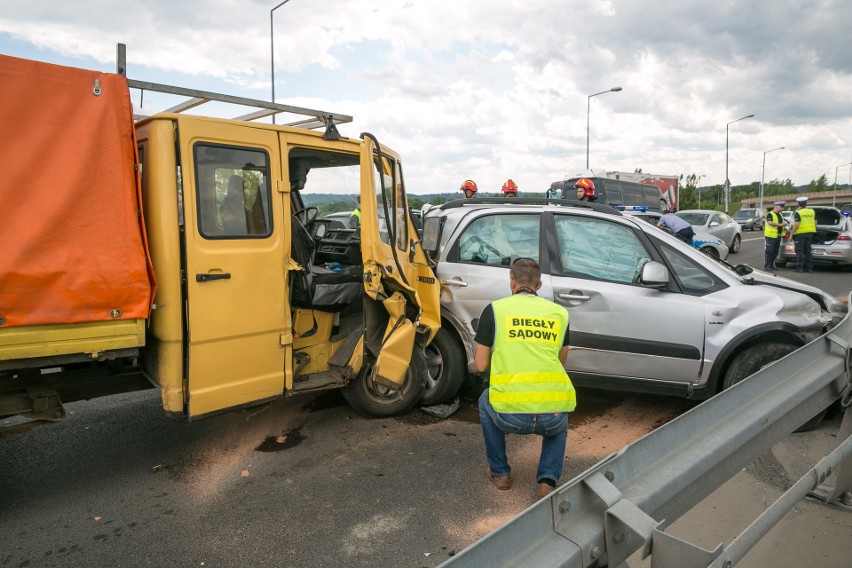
column 495, row 89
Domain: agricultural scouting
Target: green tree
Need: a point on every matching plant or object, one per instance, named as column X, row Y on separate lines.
column 817, row 185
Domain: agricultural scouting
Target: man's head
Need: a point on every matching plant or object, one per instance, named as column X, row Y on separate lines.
column 778, row 206
column 510, row 189
column 468, row 188
column 802, row 201
column 525, row 273
column 585, row 189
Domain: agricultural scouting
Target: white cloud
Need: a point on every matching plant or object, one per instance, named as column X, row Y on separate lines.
column 492, row 90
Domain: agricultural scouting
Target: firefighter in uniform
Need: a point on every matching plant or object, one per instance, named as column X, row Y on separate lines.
column 804, row 227
column 585, row 190
column 468, row 188
column 773, row 229
column 523, row 340
column 510, row 189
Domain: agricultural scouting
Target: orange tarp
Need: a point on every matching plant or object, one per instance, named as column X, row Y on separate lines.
column 72, row 241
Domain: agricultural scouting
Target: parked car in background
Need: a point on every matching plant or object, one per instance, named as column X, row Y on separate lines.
column 750, row 219
column 832, row 243
column 648, row 312
column 703, row 241
column 717, row 224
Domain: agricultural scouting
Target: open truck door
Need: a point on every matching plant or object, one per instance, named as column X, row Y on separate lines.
column 236, row 242
column 402, row 295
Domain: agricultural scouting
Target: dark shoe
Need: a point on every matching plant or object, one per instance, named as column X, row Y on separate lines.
column 544, row 489
column 501, row 482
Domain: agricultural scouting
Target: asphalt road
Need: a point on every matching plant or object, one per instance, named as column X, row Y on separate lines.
column 302, row 482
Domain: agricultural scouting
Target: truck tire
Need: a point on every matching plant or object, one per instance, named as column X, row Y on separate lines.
column 376, row 401
column 752, row 359
column 445, row 369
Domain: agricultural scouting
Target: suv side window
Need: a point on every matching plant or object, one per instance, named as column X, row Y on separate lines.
column 596, row 248
column 694, row 280
column 496, row 240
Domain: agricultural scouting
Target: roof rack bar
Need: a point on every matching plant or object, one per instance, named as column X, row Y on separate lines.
column 528, row 201
column 196, row 98
column 210, row 96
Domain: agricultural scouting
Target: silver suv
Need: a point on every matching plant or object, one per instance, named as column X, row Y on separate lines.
column 648, row 312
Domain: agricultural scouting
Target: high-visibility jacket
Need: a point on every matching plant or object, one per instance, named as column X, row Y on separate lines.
column 526, row 374
column 807, row 221
column 769, row 230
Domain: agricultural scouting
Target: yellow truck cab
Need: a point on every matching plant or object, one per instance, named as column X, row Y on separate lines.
column 249, row 295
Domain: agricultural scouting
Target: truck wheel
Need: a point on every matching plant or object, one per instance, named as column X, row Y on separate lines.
column 735, row 244
column 377, row 401
column 752, row 359
column 445, row 369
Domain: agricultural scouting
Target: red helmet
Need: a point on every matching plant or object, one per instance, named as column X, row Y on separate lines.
column 587, row 185
column 510, row 187
column 468, row 185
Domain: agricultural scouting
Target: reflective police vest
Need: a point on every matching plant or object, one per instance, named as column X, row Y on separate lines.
column 769, row 230
column 807, row 221
column 526, row 374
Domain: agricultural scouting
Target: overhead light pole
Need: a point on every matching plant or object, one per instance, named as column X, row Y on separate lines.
column 834, row 192
column 588, row 108
column 272, row 49
column 698, row 188
column 762, row 171
column 727, row 180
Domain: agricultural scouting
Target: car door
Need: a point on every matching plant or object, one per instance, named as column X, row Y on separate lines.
column 395, row 266
column 234, row 267
column 475, row 267
column 619, row 329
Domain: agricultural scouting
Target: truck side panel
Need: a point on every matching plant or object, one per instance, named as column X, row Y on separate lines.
column 70, row 219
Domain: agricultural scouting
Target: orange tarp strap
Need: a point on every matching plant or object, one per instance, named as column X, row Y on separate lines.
column 72, row 241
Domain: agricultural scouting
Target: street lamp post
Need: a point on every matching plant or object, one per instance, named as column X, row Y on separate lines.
column 588, row 108
column 728, row 181
column 698, row 188
column 272, row 49
column 762, row 171
column 834, row 192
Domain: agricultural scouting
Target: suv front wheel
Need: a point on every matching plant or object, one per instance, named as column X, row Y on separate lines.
column 755, row 357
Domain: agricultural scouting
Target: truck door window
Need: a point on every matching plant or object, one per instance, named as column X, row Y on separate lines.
column 391, row 194
column 599, row 249
column 233, row 194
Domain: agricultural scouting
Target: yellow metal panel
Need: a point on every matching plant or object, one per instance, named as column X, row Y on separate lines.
column 66, row 339
column 160, row 202
column 235, row 324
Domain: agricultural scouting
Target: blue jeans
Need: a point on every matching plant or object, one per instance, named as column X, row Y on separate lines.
column 553, row 427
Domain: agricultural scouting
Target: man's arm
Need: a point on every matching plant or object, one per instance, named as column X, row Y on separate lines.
column 563, row 354
column 482, row 358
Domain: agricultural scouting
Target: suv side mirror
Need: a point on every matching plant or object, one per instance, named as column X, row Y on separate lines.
column 654, row 274
column 432, row 235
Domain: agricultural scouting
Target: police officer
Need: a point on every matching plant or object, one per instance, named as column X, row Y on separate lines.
column 804, row 227
column 773, row 229
column 523, row 339
column 355, row 216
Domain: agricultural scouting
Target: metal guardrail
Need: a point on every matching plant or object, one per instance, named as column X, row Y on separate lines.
column 624, row 502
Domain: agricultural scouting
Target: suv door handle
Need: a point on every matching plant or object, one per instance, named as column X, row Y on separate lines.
column 579, row 297
column 215, row 276
column 459, row 283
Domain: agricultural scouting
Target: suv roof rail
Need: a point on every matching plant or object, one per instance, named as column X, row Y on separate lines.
column 313, row 118
column 456, row 203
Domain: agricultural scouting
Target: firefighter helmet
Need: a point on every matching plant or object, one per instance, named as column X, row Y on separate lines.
column 588, row 187
column 510, row 187
column 468, row 185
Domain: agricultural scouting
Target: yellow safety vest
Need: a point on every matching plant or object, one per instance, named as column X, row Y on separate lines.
column 807, row 221
column 526, row 374
column 769, row 230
